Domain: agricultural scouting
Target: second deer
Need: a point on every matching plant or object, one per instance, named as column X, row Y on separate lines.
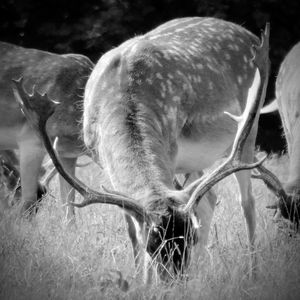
column 63, row 77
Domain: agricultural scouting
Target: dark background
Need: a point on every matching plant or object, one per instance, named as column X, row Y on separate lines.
column 92, row 27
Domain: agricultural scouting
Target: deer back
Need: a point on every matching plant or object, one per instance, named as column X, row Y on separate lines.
column 288, row 91
column 159, row 91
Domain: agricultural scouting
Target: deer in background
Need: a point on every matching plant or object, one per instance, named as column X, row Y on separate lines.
column 62, row 77
column 288, row 103
column 154, row 107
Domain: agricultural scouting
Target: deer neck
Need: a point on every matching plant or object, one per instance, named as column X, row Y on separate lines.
column 136, row 153
column 134, row 134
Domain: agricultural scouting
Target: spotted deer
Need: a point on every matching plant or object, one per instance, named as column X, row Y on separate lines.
column 154, row 107
column 288, row 104
column 62, row 77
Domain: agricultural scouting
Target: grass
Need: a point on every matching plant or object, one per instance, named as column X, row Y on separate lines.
column 43, row 259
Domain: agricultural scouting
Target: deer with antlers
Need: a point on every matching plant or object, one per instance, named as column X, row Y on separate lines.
column 287, row 102
column 62, row 77
column 154, row 107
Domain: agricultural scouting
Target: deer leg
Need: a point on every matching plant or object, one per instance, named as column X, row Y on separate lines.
column 31, row 157
column 293, row 183
column 67, row 193
column 145, row 269
column 204, row 213
column 10, row 177
column 246, row 198
column 134, row 240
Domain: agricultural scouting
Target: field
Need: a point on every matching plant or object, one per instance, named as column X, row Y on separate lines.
column 43, row 259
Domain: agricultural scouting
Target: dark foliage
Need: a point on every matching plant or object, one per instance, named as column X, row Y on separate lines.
column 92, row 27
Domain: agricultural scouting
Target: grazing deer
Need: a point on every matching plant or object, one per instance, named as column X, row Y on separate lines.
column 62, row 77
column 288, row 103
column 153, row 107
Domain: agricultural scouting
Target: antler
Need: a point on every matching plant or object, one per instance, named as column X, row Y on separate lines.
column 38, row 115
column 255, row 98
column 288, row 204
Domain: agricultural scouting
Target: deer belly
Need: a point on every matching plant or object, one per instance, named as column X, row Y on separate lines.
column 195, row 156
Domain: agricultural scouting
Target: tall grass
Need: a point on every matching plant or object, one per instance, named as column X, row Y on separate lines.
column 43, row 259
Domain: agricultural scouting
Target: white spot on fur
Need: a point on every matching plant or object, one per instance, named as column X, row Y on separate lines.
column 176, row 99
column 216, row 47
column 157, row 61
column 236, row 47
column 163, row 87
column 185, row 86
column 239, row 79
column 167, row 56
column 104, row 84
column 160, row 103
column 179, row 72
column 208, row 59
column 180, row 29
column 149, row 80
column 159, row 76
column 163, row 90
column 172, row 113
column 170, row 86
column 227, row 56
column 211, row 67
column 190, row 77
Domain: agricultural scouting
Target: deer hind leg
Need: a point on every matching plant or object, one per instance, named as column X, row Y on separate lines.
column 132, row 232
column 293, row 183
column 246, row 198
column 67, row 193
column 31, row 157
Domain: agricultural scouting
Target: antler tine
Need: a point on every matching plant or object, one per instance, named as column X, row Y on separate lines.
column 29, row 103
column 288, row 204
column 255, row 99
column 38, row 115
column 271, row 181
